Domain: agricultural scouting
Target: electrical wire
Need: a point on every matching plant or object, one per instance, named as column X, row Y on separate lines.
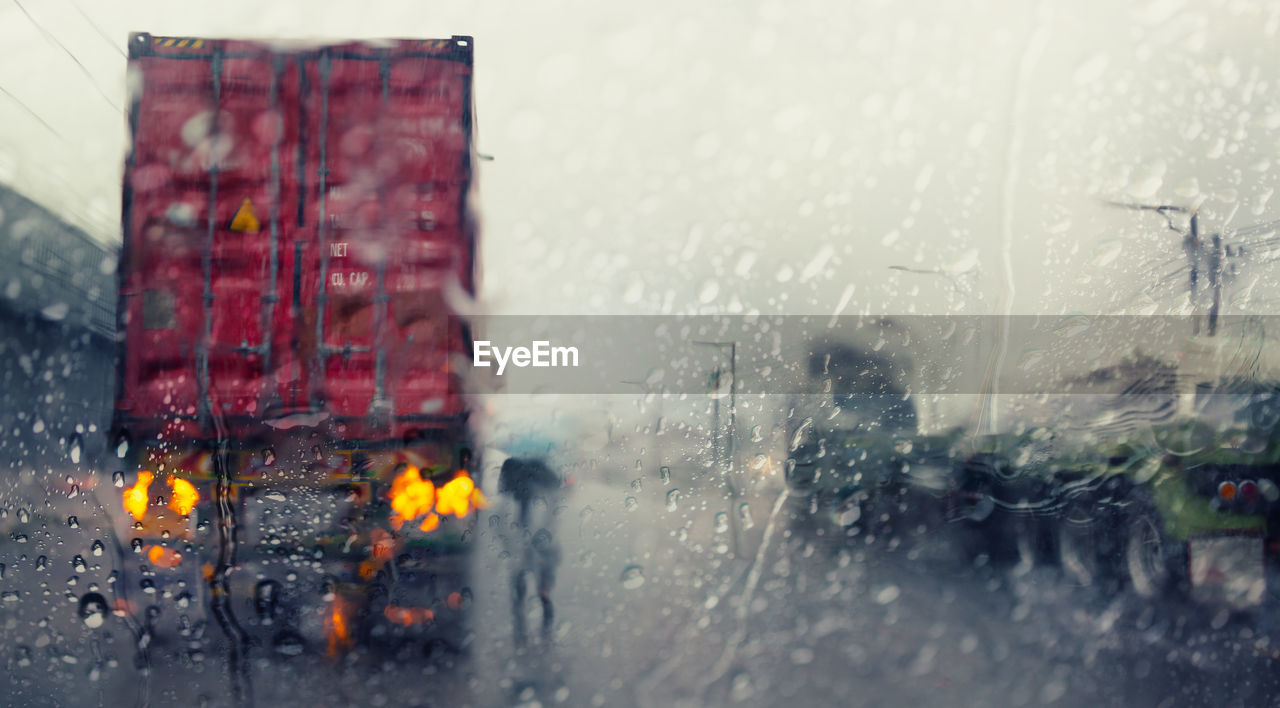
column 31, row 112
column 98, row 29
column 83, row 69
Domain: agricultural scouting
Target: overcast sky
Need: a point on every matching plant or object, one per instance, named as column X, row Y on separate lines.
column 767, row 156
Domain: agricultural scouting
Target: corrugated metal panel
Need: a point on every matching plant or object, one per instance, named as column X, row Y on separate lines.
column 292, row 219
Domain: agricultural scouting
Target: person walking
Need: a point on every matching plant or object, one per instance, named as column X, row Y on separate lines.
column 535, row 490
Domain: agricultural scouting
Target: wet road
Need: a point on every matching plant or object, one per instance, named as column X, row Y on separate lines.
column 657, row 605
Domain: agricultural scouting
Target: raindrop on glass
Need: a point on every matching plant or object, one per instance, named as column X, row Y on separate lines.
column 93, row 610
column 665, row 473
column 96, row 548
column 632, row 577
column 887, row 594
column 673, row 499
column 266, row 597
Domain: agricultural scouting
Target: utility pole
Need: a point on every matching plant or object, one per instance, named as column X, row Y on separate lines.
column 727, row 466
column 1215, row 282
column 1193, row 247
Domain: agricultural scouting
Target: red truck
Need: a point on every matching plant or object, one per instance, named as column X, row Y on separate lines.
column 290, row 402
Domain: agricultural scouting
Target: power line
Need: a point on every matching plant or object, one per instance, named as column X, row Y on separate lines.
column 98, row 29
column 30, row 112
column 50, row 37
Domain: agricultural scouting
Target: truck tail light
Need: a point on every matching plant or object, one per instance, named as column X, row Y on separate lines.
column 1249, row 491
column 1227, row 491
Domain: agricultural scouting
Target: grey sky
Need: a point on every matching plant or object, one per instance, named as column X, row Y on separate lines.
column 766, row 156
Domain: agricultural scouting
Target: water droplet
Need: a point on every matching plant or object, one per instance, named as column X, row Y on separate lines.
column 122, row 449
column 38, row 426
column 665, row 474
column 637, row 484
column 10, row 596
column 275, row 496
column 57, row 311
column 682, row 534
column 74, row 449
column 1030, row 359
column 73, row 522
column 266, row 597
column 93, row 610
column 1107, row 252
column 96, row 547
column 887, row 594
column 183, row 600
column 23, row 516
column 287, row 644
column 117, row 479
column 744, row 513
column 722, row 522
column 23, row 655
column 136, row 545
column 269, row 456
column 630, row 503
column 78, row 564
column 42, row 563
column 673, row 499
column 632, row 577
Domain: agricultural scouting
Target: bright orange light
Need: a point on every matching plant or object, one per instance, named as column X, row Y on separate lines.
column 459, row 496
column 184, row 496
column 135, row 497
column 335, row 627
column 411, row 495
column 406, row 616
column 164, row 557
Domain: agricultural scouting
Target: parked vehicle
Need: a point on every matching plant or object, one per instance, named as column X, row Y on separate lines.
column 1183, row 506
column 290, row 405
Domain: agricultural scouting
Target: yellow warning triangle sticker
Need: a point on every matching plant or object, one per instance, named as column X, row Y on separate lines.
column 246, row 219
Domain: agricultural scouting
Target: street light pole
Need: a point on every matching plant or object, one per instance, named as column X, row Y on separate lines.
column 728, row 468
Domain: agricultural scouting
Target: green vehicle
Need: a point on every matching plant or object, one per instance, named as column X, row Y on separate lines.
column 1182, row 508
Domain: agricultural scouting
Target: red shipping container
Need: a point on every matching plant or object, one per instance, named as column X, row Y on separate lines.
column 293, row 221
